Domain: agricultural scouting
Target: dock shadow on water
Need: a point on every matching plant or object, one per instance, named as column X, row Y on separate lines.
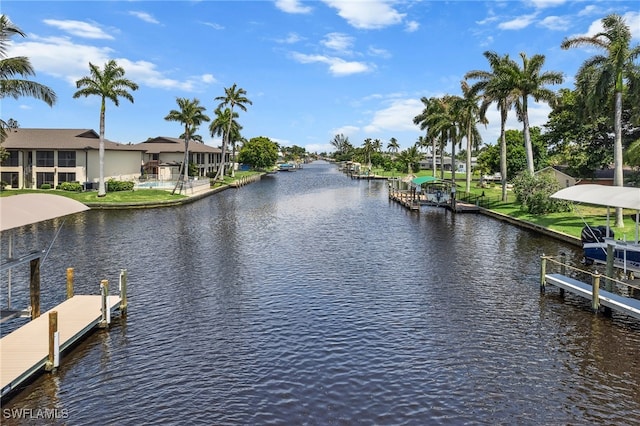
column 309, row 298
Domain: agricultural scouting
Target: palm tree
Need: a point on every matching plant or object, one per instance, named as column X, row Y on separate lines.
column 410, row 157
column 220, row 125
column 608, row 73
column 367, row 148
column 393, row 146
column 470, row 115
column 108, row 83
column 424, row 121
column 17, row 66
column 234, row 96
column 529, row 81
column 194, row 136
column 191, row 115
column 495, row 87
column 341, row 143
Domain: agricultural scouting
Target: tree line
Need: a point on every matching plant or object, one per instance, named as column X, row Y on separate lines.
column 595, row 124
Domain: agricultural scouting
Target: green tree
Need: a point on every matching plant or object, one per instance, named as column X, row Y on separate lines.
column 603, row 77
column 234, row 96
column 409, row 158
column 223, row 122
column 530, row 81
column 495, row 87
column 108, row 83
column 19, row 66
column 469, row 110
column 191, row 115
column 260, row 153
column 393, row 146
column 533, row 193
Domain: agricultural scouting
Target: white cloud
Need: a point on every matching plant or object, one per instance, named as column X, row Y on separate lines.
column 320, row 147
column 517, row 23
column 398, row 116
column 543, row 4
column 292, row 6
column 338, row 42
column 144, row 16
column 412, row 26
column 590, row 10
column 79, row 28
column 555, row 23
column 213, row 25
column 382, row 53
column 291, row 38
column 370, row 14
column 61, row 58
column 337, row 66
column 344, row 130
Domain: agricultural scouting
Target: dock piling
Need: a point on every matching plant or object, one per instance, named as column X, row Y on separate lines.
column 53, row 359
column 34, row 287
column 70, row 275
column 123, row 291
column 563, row 269
column 543, row 273
column 106, row 312
column 595, row 300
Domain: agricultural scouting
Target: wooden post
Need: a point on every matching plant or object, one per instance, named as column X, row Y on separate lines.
column 123, row 291
column 595, row 299
column 609, row 268
column 53, row 360
column 104, row 292
column 69, row 283
column 563, row 269
column 34, row 287
column 543, row 272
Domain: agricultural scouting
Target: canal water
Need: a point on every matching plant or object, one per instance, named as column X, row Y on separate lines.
column 309, row 298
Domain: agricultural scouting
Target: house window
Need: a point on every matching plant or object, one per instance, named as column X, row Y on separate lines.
column 44, row 177
column 66, row 177
column 44, row 159
column 10, row 178
column 66, row 158
column 155, row 157
column 11, row 160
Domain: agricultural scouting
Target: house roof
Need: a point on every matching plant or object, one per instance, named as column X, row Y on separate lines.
column 71, row 139
column 557, row 169
column 166, row 144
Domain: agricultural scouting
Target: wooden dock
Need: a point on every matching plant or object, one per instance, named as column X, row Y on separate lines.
column 26, row 351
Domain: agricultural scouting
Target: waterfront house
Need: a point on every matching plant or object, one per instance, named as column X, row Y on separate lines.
column 54, row 156
column 163, row 156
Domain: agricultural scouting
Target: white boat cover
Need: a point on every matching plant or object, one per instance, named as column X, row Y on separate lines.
column 25, row 209
column 601, row 195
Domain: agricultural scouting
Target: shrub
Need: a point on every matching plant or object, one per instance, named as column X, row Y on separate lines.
column 45, row 186
column 3, row 184
column 119, row 185
column 533, row 192
column 71, row 186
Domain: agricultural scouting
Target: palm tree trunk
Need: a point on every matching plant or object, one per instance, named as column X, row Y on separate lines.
column 618, row 177
column 233, row 157
column 503, row 154
column 527, row 136
column 102, row 190
column 468, row 164
column 433, row 155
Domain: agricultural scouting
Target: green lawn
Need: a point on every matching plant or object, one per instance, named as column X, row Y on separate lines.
column 137, row 196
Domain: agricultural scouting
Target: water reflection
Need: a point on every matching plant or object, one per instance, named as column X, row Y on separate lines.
column 309, row 298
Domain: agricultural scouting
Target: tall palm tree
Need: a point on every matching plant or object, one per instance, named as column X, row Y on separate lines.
column 530, row 81
column 340, row 143
column 607, row 75
column 368, row 147
column 108, row 83
column 424, row 120
column 469, row 108
column 220, row 126
column 393, row 146
column 18, row 66
column 495, row 87
column 234, row 96
column 191, row 115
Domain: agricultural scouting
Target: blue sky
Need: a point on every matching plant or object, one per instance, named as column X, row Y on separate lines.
column 312, row 69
